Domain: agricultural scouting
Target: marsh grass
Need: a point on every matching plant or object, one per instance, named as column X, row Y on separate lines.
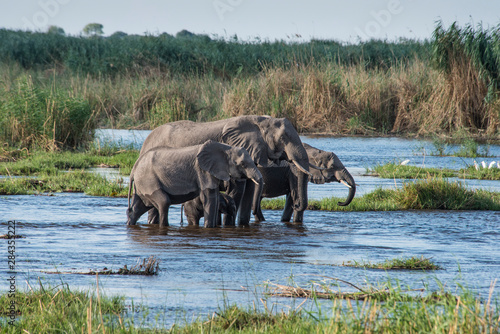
column 398, row 171
column 480, row 174
column 423, row 194
column 37, row 162
column 60, row 181
column 403, row 263
column 59, row 309
column 469, row 148
column 384, row 307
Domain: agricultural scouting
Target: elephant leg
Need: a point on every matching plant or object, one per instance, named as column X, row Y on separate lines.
column 236, row 190
column 137, row 209
column 162, row 203
column 246, row 204
column 210, row 200
column 153, row 217
column 259, row 216
column 288, row 211
column 298, row 216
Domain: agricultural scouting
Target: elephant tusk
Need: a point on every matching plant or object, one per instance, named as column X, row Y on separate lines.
column 316, row 167
column 345, row 184
column 301, row 168
column 257, row 183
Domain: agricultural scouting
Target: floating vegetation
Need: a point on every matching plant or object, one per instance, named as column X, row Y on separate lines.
column 146, row 267
column 326, row 290
column 404, row 263
column 11, row 236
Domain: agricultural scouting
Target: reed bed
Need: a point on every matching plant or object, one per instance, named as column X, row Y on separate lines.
column 444, row 86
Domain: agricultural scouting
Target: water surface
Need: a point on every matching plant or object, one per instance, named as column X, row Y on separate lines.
column 203, row 269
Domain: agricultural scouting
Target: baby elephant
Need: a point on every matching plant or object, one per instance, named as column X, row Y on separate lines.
column 227, row 206
column 164, row 176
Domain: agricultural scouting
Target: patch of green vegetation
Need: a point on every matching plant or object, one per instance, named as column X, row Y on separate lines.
column 398, row 171
column 404, row 263
column 59, row 181
column 439, row 194
column 469, row 147
column 40, row 162
column 479, row 174
column 428, row 194
column 59, row 310
column 383, row 308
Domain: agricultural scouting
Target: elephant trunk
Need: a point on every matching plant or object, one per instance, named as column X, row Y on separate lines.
column 301, row 202
column 347, row 179
column 257, row 178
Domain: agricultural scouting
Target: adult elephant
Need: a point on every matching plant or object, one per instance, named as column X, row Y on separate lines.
column 283, row 180
column 163, row 176
column 266, row 138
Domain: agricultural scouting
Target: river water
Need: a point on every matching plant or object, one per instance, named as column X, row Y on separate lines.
column 204, row 269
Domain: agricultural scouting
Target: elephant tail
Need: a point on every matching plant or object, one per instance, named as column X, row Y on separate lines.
column 182, row 209
column 130, row 188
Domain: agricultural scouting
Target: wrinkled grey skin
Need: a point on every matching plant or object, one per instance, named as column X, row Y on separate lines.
column 164, row 176
column 194, row 211
column 283, row 180
column 266, row 138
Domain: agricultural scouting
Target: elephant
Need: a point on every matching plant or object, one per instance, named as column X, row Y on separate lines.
column 267, row 139
column 194, row 210
column 283, row 180
column 163, row 176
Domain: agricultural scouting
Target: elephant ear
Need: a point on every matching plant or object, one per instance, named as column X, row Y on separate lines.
column 213, row 159
column 244, row 132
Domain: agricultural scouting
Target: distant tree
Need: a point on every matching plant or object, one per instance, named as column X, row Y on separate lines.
column 93, row 29
column 118, row 34
column 56, row 30
column 184, row 33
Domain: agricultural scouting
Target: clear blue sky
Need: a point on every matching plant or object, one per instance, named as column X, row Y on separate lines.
column 266, row 19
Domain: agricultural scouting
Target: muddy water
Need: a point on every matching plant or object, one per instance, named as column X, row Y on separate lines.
column 203, row 269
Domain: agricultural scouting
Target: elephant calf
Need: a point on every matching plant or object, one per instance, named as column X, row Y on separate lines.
column 227, row 206
column 164, row 176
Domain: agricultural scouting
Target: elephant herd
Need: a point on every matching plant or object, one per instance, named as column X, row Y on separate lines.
column 228, row 166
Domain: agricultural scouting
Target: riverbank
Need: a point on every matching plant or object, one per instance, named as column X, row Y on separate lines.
column 380, row 309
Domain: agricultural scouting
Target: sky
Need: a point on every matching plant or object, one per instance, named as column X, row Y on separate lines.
column 250, row 20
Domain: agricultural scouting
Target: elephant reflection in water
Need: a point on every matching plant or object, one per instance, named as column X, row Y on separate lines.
column 283, row 180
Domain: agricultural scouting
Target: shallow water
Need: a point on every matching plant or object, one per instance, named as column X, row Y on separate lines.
column 203, row 269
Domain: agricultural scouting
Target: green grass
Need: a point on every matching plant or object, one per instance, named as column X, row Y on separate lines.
column 60, row 181
column 59, row 309
column 403, row 263
column 387, row 308
column 426, row 194
column 39, row 162
column 398, row 171
column 479, row 174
